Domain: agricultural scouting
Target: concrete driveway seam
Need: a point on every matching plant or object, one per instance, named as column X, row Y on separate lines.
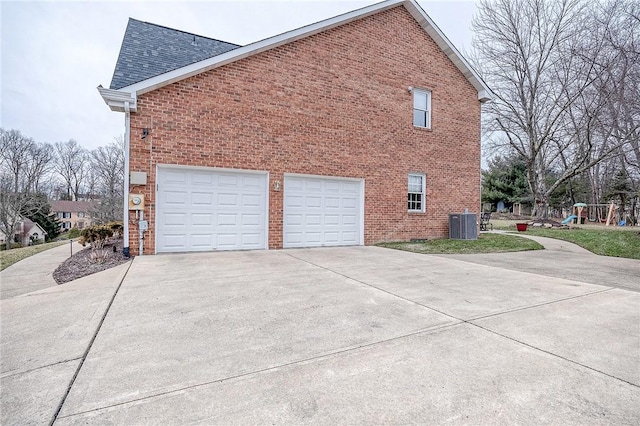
column 554, row 354
column 537, row 305
column 93, row 338
column 16, row 372
column 520, row 308
column 376, row 287
column 470, row 321
column 326, row 355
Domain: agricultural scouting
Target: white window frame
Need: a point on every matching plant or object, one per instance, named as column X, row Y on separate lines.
column 422, row 193
column 419, row 109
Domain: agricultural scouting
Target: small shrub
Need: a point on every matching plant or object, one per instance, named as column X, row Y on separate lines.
column 74, row 233
column 116, row 228
column 3, row 246
column 96, row 236
column 99, row 256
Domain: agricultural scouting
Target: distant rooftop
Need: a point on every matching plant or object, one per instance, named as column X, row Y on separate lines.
column 149, row 50
column 72, row 206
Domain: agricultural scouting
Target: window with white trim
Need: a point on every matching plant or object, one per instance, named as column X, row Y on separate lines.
column 417, row 193
column 422, row 108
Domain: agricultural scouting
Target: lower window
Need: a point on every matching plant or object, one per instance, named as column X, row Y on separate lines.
column 416, row 192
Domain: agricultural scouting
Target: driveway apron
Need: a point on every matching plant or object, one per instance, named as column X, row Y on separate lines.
column 357, row 335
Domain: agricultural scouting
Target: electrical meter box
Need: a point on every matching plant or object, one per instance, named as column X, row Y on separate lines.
column 136, row 201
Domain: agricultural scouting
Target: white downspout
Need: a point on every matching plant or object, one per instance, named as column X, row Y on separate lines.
column 127, row 135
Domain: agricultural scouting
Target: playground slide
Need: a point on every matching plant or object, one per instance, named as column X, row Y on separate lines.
column 569, row 219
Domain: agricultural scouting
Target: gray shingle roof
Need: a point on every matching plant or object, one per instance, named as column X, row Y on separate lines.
column 149, row 50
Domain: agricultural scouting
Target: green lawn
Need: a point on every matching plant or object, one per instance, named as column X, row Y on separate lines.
column 9, row 257
column 486, row 243
column 606, row 242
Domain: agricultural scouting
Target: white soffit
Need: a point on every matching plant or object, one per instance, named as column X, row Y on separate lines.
column 260, row 46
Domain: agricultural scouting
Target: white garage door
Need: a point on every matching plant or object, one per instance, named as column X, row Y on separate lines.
column 322, row 212
column 207, row 209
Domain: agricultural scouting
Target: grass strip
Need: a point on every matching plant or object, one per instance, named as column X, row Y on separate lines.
column 9, row 257
column 486, row 243
column 615, row 243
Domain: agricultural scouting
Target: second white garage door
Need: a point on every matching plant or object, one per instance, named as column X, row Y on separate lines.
column 209, row 209
column 322, row 211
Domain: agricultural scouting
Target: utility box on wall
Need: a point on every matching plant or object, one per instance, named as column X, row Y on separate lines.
column 463, row 226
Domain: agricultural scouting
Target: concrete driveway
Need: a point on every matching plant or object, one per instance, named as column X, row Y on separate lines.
column 359, row 335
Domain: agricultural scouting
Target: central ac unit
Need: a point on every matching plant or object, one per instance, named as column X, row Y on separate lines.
column 463, row 226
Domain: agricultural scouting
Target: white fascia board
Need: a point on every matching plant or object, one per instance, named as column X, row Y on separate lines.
column 254, row 48
column 484, row 93
column 117, row 100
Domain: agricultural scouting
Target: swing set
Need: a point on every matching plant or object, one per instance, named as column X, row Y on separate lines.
column 595, row 213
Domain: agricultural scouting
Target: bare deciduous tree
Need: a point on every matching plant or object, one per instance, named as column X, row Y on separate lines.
column 107, row 162
column 554, row 70
column 23, row 164
column 71, row 165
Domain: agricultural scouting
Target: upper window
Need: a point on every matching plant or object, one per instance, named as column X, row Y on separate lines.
column 416, row 193
column 80, row 214
column 422, row 108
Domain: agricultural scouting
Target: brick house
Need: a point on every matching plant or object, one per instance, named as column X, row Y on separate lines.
column 73, row 214
column 355, row 130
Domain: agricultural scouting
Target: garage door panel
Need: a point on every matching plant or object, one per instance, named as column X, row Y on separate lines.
column 201, row 219
column 227, row 180
column 349, row 220
column 202, row 179
column 201, row 241
column 173, row 241
column 251, row 200
column 321, row 212
column 175, row 197
column 251, row 240
column 294, row 201
column 350, row 236
column 293, row 219
column 251, row 220
column 228, row 199
column 174, row 219
column 204, row 209
column 349, row 203
column 226, row 219
column 313, row 202
column 202, row 198
column 173, row 177
column 332, row 219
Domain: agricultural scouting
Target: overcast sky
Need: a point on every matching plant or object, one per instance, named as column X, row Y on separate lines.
column 55, row 53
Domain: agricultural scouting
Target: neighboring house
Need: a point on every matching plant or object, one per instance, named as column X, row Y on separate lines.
column 354, row 130
column 73, row 214
column 26, row 233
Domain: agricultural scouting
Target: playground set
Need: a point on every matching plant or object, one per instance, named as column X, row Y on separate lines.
column 594, row 213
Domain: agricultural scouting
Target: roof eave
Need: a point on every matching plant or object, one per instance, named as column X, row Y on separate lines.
column 257, row 47
column 484, row 93
column 119, row 100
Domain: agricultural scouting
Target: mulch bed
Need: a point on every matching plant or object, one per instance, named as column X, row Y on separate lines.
column 81, row 263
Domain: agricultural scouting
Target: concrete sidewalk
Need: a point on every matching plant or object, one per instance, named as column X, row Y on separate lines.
column 562, row 259
column 45, row 336
column 35, row 272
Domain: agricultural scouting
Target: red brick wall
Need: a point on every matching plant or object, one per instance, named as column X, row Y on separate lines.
column 334, row 104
